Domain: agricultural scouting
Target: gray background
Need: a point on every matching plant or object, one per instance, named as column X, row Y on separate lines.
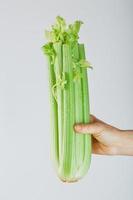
column 26, row 172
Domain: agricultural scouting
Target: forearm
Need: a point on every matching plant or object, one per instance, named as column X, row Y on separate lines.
column 125, row 147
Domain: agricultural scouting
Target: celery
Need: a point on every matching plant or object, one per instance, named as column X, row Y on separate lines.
column 49, row 51
column 58, row 72
column 86, row 110
column 78, row 107
column 69, row 100
column 68, row 133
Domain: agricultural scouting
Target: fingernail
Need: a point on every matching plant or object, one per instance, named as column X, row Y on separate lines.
column 77, row 127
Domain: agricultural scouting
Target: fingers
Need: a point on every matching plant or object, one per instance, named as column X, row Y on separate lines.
column 95, row 126
column 98, row 148
column 92, row 128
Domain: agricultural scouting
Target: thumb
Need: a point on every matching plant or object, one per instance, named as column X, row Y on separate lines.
column 91, row 128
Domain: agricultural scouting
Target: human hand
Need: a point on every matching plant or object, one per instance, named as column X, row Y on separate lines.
column 107, row 139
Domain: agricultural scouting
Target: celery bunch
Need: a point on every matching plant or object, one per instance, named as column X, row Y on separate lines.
column 69, row 98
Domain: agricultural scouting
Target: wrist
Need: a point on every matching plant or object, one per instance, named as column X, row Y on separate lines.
column 125, row 145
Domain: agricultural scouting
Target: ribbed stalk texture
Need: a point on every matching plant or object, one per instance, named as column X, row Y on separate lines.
column 71, row 152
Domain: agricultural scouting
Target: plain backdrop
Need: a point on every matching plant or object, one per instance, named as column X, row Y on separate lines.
column 26, row 171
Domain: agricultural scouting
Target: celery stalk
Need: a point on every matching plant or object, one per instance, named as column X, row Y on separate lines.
column 68, row 133
column 79, row 139
column 86, row 111
column 58, row 74
column 69, row 97
column 54, row 116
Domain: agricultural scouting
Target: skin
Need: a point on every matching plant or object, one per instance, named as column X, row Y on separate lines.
column 106, row 139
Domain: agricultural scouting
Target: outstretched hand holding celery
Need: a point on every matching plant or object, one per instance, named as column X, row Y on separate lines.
column 69, row 97
column 106, row 139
